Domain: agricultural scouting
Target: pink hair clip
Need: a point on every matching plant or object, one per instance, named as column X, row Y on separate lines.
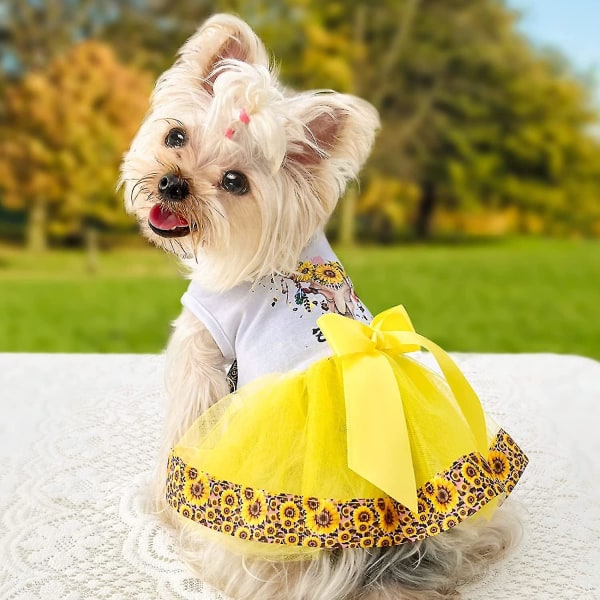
column 244, row 118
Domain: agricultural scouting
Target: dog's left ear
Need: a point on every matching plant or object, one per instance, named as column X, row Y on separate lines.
column 220, row 38
column 337, row 132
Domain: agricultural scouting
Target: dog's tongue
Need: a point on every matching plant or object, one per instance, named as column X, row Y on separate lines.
column 163, row 218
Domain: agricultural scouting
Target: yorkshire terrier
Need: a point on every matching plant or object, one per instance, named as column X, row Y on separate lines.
column 237, row 176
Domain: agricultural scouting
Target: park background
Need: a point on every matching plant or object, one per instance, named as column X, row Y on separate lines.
column 479, row 209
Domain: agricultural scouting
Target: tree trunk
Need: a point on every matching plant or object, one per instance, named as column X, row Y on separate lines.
column 91, row 248
column 347, row 216
column 347, row 226
column 425, row 210
column 36, row 226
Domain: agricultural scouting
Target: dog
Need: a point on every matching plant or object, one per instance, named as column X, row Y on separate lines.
column 237, row 176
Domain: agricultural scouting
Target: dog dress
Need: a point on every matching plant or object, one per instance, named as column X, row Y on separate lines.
column 337, row 436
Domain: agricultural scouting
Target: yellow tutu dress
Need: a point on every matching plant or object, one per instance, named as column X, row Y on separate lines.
column 367, row 448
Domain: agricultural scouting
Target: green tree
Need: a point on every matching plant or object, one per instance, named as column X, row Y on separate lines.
column 472, row 115
column 475, row 117
column 507, row 126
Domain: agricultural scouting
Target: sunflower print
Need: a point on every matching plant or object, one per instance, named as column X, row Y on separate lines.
column 291, row 539
column 470, row 472
column 508, row 441
column 470, row 499
column 254, row 511
column 254, row 514
column 312, row 541
column 423, row 508
column 330, row 274
column 363, row 518
column 445, row 497
column 229, row 502
column 227, row 527
column 388, row 516
column 325, row 519
column 423, row 517
column 344, row 537
column 316, row 285
column 305, row 271
column 191, row 472
column 499, row 465
column 248, row 493
column 449, row 522
column 244, row 533
column 311, row 504
column 289, row 515
column 409, row 530
column 197, row 490
column 429, row 490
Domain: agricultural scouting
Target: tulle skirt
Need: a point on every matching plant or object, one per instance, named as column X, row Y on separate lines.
column 288, row 463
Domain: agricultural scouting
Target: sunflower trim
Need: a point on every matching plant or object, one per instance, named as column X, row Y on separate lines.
column 253, row 514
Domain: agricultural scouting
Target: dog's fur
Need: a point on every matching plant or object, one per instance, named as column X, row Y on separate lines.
column 298, row 151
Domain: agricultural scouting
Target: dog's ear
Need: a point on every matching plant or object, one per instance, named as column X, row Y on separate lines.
column 336, row 127
column 220, row 38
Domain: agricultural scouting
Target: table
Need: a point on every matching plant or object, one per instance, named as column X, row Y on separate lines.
column 78, row 434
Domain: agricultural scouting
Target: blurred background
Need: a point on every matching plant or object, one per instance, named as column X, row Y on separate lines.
column 479, row 209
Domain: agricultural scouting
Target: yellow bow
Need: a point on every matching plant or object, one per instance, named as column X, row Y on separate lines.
column 379, row 448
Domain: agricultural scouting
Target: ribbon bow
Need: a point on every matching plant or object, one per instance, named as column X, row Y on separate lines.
column 379, row 448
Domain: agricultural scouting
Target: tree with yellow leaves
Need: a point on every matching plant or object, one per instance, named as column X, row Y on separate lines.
column 64, row 131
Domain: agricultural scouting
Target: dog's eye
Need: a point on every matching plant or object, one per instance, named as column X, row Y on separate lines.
column 235, row 182
column 175, row 138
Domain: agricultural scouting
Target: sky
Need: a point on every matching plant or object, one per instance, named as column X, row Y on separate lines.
column 572, row 26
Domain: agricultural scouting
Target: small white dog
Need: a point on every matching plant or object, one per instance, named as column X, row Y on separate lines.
column 237, row 176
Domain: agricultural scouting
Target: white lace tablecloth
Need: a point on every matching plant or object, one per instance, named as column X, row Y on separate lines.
column 78, row 435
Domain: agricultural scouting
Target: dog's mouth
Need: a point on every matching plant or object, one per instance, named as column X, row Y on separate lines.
column 166, row 223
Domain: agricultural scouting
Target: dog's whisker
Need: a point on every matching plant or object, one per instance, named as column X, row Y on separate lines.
column 218, row 212
column 183, row 252
column 135, row 191
column 140, row 187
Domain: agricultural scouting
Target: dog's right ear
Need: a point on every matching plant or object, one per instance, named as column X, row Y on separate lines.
column 220, row 38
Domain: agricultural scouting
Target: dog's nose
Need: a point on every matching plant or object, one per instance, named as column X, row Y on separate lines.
column 173, row 187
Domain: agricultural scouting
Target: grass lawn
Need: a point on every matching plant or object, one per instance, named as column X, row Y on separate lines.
column 523, row 295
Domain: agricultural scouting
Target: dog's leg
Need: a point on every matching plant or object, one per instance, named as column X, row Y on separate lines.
column 195, row 378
